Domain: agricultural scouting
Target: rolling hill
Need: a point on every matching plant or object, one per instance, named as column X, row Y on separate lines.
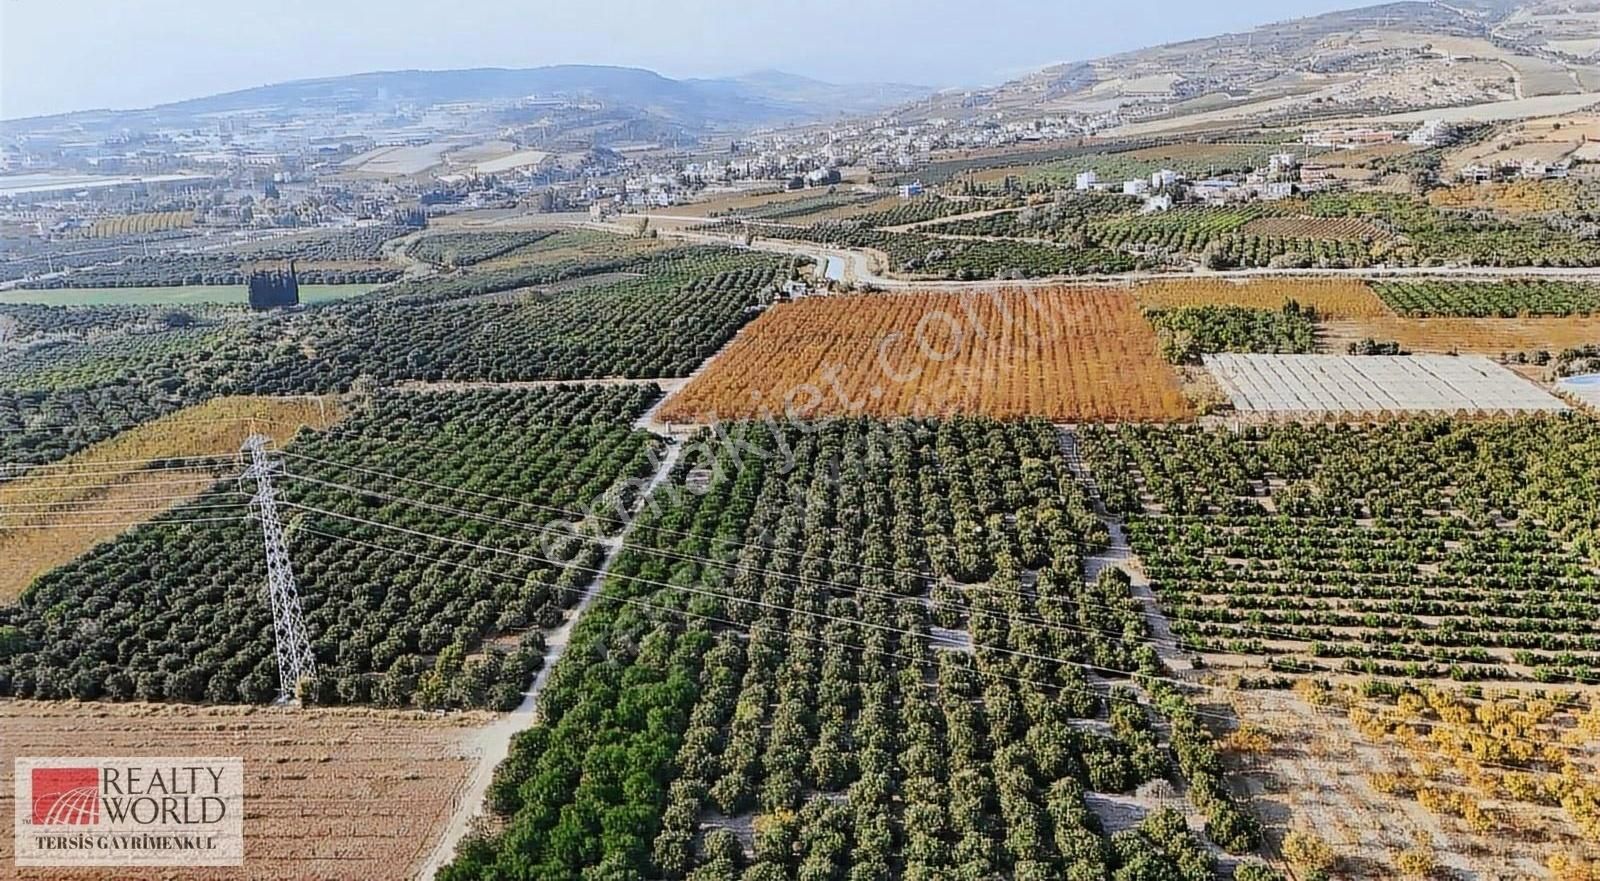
column 1371, row 61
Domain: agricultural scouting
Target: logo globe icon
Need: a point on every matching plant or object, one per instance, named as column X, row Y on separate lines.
column 75, row 807
column 66, row 796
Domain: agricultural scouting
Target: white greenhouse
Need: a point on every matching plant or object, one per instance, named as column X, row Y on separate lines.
column 1373, row 386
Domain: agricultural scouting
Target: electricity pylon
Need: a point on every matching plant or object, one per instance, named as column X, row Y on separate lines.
column 293, row 648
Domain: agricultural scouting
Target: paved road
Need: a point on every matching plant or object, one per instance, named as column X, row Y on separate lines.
column 859, row 268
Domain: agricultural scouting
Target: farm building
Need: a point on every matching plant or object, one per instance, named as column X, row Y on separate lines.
column 1369, row 387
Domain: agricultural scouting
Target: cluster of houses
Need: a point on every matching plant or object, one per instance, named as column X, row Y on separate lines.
column 1513, row 169
column 1282, row 176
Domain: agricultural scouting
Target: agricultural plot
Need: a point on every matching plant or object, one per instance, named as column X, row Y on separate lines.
column 24, row 258
column 1518, row 197
column 1335, row 386
column 1189, row 332
column 907, row 212
column 1064, row 354
column 577, row 248
column 664, row 324
column 925, row 257
column 1368, row 772
column 172, row 295
column 796, row 210
column 38, row 426
column 777, row 699
column 1312, row 228
column 52, row 514
column 724, row 204
column 1482, row 336
column 1066, row 219
column 1425, row 235
column 1372, row 568
column 1191, row 159
column 139, row 224
column 1187, row 229
column 398, row 570
column 468, row 248
column 1335, row 298
column 377, row 785
column 325, row 256
column 1510, row 299
column 80, row 362
column 58, row 396
column 1379, row 551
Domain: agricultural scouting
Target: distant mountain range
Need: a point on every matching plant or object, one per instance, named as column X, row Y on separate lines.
column 767, row 97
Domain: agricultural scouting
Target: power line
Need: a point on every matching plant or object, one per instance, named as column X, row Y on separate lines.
column 1089, row 667
column 1251, row 631
column 734, row 566
column 1133, row 674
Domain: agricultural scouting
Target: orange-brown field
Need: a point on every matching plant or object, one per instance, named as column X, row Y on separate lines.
column 1066, row 354
column 1484, row 336
column 59, row 511
column 1327, row 228
column 329, row 793
column 1517, row 197
column 1337, row 298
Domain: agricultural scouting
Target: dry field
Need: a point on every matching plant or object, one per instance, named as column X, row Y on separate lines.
column 1482, row 336
column 726, row 202
column 1338, row 298
column 1363, row 155
column 57, row 512
column 1520, row 197
column 1549, row 139
column 329, row 793
column 1431, row 773
column 1327, row 228
column 1067, row 354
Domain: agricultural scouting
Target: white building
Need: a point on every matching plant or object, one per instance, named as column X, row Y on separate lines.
column 1275, row 190
column 1136, row 187
column 1086, row 181
column 1166, row 177
column 1215, row 190
column 1433, row 133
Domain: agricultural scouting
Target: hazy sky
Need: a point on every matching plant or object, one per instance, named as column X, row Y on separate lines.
column 59, row 55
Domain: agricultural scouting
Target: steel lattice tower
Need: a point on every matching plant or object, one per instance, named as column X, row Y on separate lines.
column 295, row 661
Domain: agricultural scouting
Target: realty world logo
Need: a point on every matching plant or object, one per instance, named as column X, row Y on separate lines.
column 129, row 811
column 66, row 796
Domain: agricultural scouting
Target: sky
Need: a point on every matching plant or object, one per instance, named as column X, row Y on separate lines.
column 63, row 55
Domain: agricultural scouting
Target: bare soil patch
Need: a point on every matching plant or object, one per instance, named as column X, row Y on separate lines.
column 329, row 793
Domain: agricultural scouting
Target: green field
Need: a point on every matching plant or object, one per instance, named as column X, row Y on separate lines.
column 174, row 295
